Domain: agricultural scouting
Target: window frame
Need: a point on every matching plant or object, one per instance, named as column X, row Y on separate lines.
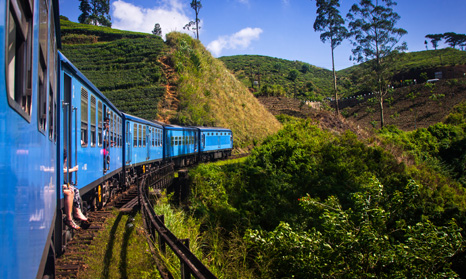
column 18, row 63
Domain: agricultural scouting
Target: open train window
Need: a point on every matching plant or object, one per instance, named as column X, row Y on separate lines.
column 84, row 117
column 93, row 120
column 18, row 56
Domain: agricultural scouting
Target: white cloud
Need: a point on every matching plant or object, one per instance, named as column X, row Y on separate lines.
column 241, row 39
column 171, row 16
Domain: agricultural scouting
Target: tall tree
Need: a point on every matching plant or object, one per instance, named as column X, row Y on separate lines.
column 331, row 24
column 95, row 12
column 157, row 30
column 196, row 5
column 375, row 37
column 434, row 39
column 453, row 39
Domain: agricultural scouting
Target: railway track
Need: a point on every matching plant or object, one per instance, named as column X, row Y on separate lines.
column 72, row 262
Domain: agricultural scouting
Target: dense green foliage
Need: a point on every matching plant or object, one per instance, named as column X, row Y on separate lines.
column 442, row 146
column 123, row 65
column 369, row 240
column 361, row 229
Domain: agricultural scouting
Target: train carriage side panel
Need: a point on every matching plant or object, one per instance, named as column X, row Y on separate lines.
column 91, row 144
column 181, row 144
column 28, row 163
column 144, row 141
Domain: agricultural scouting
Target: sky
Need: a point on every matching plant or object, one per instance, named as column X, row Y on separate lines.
column 276, row 28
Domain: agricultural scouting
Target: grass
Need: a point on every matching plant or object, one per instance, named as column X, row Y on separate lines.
column 120, row 251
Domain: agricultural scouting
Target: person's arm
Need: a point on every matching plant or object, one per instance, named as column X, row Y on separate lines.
column 73, row 169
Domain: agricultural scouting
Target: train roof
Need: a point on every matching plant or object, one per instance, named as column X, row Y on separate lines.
column 83, row 78
column 141, row 120
column 212, row 128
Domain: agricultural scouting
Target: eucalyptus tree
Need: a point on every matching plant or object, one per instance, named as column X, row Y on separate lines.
column 95, row 12
column 375, row 37
column 331, row 24
column 434, row 39
column 196, row 6
column 453, row 39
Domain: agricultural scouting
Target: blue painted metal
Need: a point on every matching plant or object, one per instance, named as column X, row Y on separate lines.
column 143, row 140
column 28, row 172
column 180, row 141
column 215, row 139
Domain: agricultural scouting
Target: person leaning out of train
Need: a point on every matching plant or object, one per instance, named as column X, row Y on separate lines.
column 72, row 201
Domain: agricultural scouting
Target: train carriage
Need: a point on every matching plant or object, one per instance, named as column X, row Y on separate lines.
column 92, row 136
column 181, row 145
column 215, row 143
column 28, row 139
column 143, row 146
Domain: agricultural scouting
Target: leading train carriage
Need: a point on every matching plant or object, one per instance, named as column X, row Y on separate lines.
column 29, row 36
column 91, row 137
column 215, row 143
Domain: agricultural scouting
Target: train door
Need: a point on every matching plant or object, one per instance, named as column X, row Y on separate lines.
column 219, row 140
column 203, row 141
column 106, row 141
column 129, row 146
column 69, row 129
column 148, row 141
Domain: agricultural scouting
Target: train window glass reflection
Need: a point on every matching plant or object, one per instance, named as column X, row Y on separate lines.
column 93, row 120
column 84, row 117
column 19, row 56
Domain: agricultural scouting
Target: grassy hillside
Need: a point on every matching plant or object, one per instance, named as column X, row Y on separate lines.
column 179, row 82
column 210, row 95
column 273, row 74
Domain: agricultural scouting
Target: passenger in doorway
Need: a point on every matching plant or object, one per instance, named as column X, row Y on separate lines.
column 72, row 200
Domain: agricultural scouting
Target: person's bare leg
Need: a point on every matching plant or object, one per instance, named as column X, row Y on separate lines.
column 69, row 196
column 79, row 215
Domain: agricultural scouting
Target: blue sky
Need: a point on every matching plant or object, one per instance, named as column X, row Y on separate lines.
column 276, row 28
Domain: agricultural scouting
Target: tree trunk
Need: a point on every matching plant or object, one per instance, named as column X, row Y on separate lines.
column 337, row 111
column 381, row 111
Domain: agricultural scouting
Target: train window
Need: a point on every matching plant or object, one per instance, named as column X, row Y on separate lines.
column 144, row 136
column 42, row 102
column 135, row 135
column 112, row 129
column 93, row 120
column 154, row 136
column 84, row 117
column 172, row 143
column 140, row 136
column 19, row 56
column 51, row 114
column 99, row 122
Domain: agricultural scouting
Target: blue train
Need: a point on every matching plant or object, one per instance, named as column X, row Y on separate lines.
column 50, row 111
